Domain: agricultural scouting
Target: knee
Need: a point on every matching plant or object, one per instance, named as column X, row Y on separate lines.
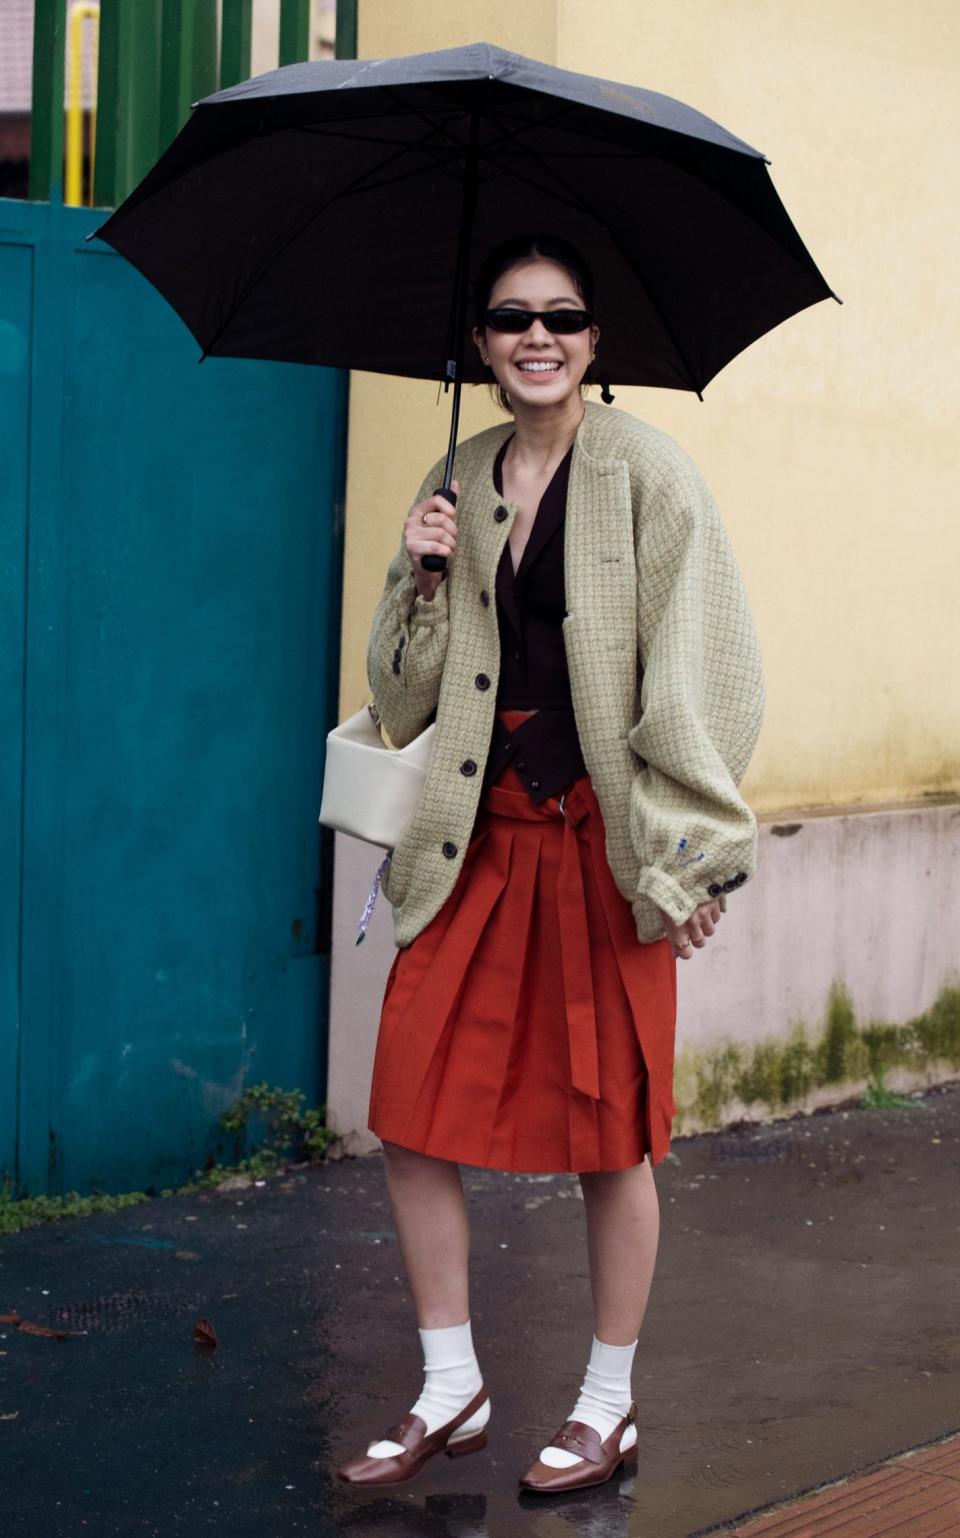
column 400, row 1158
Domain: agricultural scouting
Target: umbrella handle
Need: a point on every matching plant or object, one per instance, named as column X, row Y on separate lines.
column 439, row 562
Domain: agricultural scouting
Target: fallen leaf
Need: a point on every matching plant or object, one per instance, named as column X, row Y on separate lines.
column 204, row 1334
column 26, row 1328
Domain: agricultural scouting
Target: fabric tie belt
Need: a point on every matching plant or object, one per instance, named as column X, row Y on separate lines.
column 572, row 806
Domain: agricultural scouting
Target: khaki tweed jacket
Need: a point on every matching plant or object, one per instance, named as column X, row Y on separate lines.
column 664, row 662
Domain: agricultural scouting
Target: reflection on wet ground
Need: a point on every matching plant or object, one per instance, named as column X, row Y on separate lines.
column 802, row 1325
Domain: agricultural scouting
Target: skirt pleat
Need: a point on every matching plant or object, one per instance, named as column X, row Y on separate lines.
column 526, row 1027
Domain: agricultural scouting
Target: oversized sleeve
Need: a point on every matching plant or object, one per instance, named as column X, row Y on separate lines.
column 408, row 643
column 701, row 701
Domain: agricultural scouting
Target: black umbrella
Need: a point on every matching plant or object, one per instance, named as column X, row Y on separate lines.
column 335, row 212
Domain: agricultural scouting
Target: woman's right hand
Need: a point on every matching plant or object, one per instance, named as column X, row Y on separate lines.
column 438, row 536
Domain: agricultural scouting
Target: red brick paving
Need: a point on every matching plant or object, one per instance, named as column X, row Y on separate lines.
column 914, row 1496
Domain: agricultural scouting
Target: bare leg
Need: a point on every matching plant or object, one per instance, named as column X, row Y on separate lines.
column 434, row 1237
column 623, row 1231
column 433, row 1232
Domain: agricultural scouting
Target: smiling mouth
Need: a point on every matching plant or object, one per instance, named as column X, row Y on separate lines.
column 551, row 367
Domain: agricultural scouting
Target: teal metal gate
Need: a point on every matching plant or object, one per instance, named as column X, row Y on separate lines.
column 170, row 561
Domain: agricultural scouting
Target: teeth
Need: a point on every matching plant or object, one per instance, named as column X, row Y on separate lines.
column 538, row 368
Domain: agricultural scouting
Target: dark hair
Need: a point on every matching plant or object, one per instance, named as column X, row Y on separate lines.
column 525, row 248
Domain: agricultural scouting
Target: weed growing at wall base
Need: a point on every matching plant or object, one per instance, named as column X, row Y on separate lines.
column 716, row 1085
column 272, row 1117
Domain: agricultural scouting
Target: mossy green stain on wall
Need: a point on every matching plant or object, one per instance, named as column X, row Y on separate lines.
column 779, row 1073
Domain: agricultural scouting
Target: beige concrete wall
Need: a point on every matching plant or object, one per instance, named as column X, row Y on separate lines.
column 836, row 968
column 831, row 446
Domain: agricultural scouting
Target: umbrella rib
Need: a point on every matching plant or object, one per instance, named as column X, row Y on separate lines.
column 588, row 132
column 577, row 202
column 758, row 159
column 347, row 191
column 403, row 112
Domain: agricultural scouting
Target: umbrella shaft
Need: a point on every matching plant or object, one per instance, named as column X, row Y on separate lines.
column 467, row 210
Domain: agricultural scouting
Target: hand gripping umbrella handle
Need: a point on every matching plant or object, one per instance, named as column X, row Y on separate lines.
column 439, row 562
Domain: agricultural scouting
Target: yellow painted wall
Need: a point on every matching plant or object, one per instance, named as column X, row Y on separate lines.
column 830, row 444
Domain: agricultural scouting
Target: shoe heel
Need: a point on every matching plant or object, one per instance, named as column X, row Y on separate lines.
column 470, row 1444
column 629, row 1459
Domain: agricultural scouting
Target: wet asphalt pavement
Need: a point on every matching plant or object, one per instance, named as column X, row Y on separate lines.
column 804, row 1323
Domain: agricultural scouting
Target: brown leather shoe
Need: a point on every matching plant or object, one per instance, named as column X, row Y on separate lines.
column 410, row 1432
column 598, row 1460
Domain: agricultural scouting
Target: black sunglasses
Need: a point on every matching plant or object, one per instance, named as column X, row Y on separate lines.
column 559, row 322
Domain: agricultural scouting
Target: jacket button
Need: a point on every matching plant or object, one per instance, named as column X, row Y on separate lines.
column 534, row 784
column 396, row 665
column 740, row 877
column 397, row 655
column 450, row 850
column 522, row 764
column 729, row 886
column 468, row 766
column 714, row 889
column 501, row 513
column 482, row 681
column 484, row 597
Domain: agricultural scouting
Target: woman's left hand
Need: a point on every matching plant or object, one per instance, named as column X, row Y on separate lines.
column 693, row 931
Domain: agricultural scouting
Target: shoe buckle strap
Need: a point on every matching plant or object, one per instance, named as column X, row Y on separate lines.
column 408, row 1431
column 578, row 1444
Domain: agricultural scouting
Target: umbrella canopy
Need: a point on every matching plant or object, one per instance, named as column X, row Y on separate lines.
column 334, row 213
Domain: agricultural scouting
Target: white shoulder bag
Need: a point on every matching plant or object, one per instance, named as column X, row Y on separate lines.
column 370, row 790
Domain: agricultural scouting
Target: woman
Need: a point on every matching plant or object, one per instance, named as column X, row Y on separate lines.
column 578, row 830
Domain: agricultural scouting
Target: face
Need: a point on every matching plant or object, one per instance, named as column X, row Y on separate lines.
column 537, row 367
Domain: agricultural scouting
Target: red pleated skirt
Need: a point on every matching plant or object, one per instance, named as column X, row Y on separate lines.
column 526, row 1027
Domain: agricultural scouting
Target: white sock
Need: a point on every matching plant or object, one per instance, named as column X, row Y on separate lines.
column 451, row 1379
column 605, row 1397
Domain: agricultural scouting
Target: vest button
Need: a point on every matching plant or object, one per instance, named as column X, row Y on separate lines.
column 450, row 850
column 395, row 665
column 501, row 513
column 482, row 681
column 714, row 889
column 468, row 767
column 729, row 886
column 484, row 597
column 522, row 764
column 534, row 784
column 740, row 877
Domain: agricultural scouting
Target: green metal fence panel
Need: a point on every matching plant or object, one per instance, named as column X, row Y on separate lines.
column 345, row 46
column 46, row 126
column 188, row 68
column 235, row 41
column 170, row 673
column 294, row 31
